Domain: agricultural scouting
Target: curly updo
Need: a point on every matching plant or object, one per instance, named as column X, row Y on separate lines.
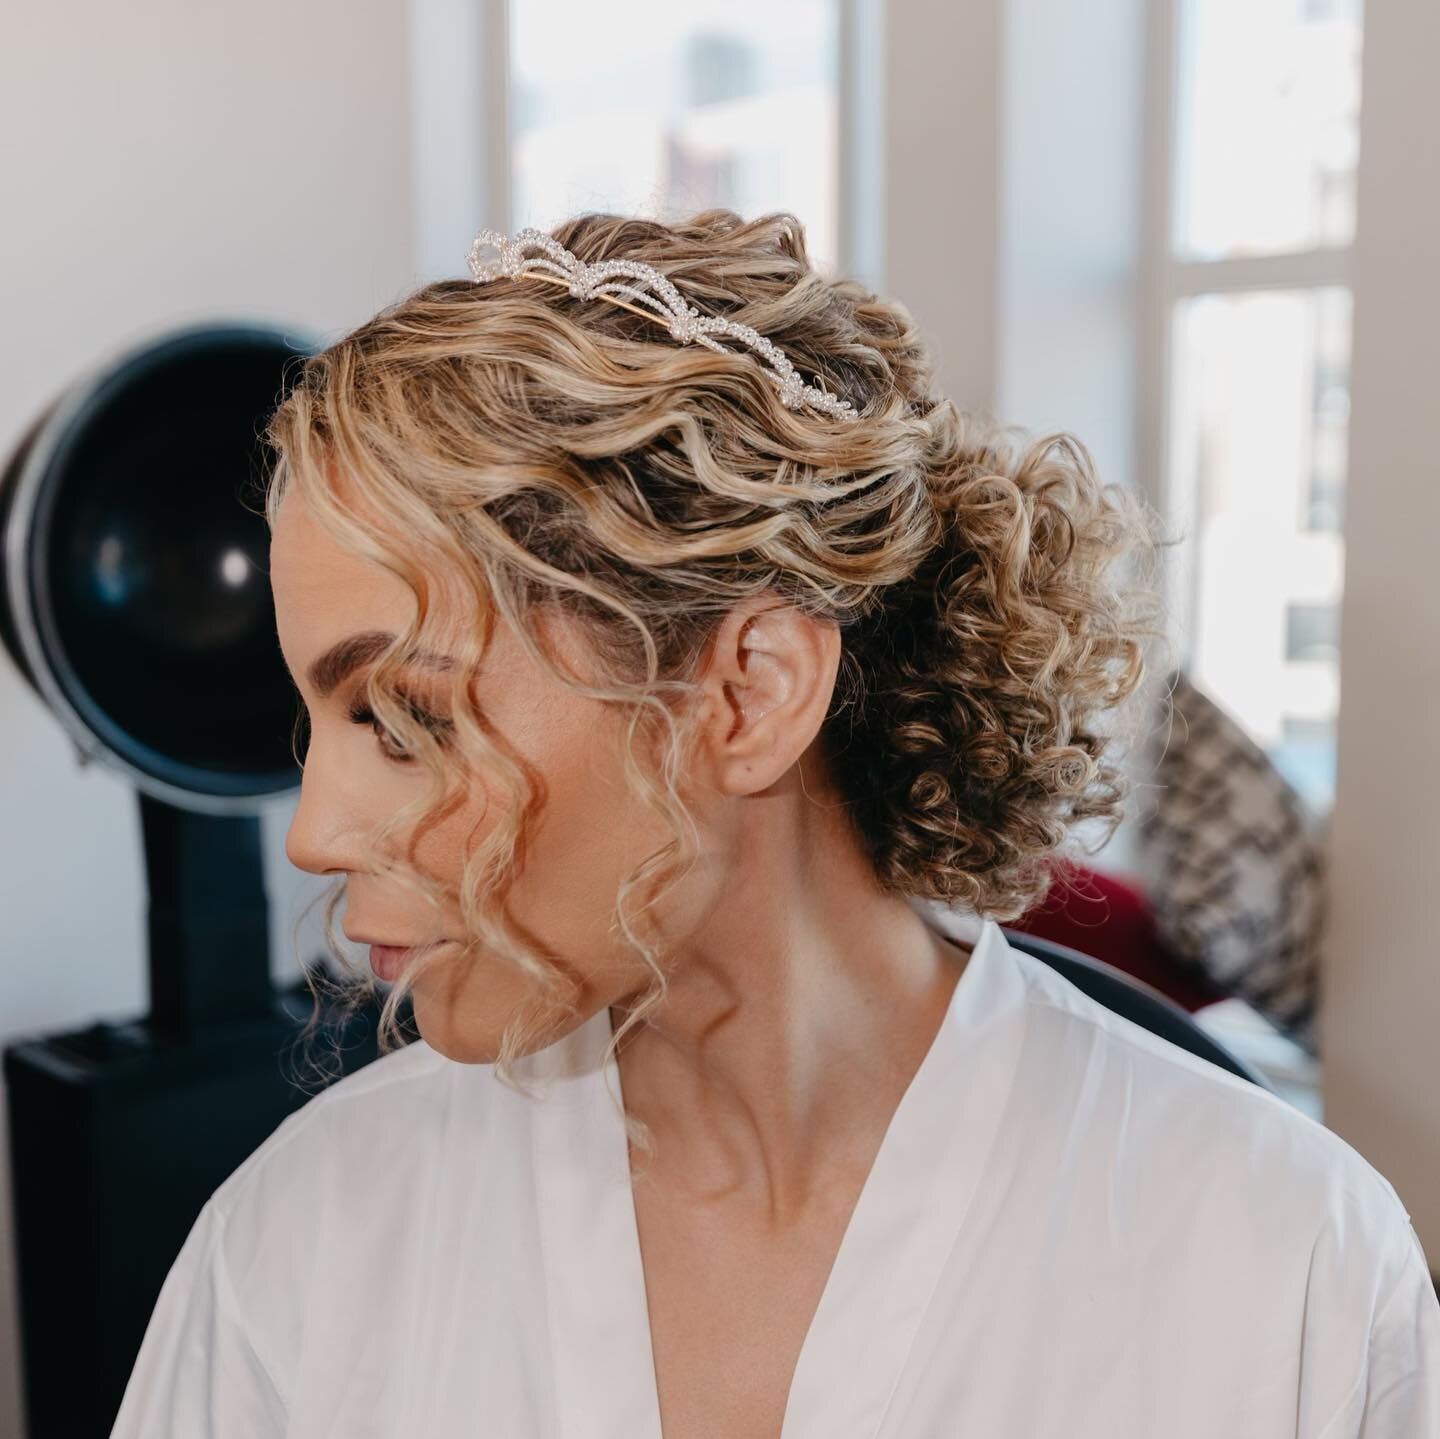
column 568, row 452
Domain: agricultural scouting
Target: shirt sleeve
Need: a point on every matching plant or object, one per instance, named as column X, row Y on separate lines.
column 198, row 1374
column 1397, row 1394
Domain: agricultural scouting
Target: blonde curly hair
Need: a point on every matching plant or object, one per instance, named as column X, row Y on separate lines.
column 523, row 447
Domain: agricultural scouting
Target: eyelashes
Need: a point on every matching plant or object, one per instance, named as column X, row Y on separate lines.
column 361, row 713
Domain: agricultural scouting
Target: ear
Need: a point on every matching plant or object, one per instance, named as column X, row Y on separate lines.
column 766, row 688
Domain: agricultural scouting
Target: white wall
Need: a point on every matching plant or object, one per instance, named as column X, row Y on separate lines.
column 1072, row 168
column 1067, row 274
column 942, row 183
column 163, row 162
column 459, row 85
column 1380, row 1022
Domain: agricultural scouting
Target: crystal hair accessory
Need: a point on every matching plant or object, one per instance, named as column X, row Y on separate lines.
column 605, row 279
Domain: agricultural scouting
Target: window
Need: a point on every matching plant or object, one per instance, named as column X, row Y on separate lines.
column 1269, row 95
column 1310, row 634
column 715, row 102
column 1261, row 106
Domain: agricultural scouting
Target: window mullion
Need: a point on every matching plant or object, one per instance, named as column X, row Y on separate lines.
column 1300, row 269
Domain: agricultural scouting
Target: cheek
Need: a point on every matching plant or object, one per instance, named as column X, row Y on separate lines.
column 588, row 832
column 591, row 831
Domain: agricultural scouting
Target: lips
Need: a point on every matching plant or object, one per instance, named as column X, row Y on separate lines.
column 388, row 960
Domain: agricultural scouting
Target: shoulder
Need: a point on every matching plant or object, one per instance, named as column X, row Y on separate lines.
column 331, row 1179
column 386, row 1108
column 1188, row 1138
column 275, row 1245
column 1214, row 1208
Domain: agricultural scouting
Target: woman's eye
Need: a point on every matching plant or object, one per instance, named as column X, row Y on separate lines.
column 361, row 713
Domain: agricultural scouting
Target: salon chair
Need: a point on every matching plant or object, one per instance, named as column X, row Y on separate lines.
column 1132, row 999
column 134, row 600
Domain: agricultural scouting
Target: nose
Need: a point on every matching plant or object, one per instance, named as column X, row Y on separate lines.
column 324, row 831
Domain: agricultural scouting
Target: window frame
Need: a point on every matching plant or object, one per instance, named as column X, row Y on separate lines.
column 1165, row 280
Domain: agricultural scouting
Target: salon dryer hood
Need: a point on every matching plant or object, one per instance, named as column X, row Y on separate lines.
column 135, row 601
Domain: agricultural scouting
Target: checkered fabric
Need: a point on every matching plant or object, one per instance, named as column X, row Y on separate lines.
column 1233, row 863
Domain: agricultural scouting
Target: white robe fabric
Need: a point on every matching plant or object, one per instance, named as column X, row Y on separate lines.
column 1072, row 1228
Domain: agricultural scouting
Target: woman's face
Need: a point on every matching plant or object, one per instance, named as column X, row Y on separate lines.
column 587, row 835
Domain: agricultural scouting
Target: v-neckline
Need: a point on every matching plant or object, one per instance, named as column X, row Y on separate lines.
column 913, row 1201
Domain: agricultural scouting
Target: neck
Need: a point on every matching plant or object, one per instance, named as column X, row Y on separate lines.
column 793, row 1023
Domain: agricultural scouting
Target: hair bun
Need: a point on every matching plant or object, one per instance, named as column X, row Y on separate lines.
column 968, row 738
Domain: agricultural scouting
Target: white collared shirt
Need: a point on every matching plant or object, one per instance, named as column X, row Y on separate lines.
column 1072, row 1228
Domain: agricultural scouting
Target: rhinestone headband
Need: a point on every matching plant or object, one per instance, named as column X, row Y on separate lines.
column 558, row 266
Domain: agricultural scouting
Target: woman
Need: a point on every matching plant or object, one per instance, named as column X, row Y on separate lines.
column 684, row 719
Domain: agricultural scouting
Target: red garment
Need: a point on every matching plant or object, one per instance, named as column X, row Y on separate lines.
column 1111, row 920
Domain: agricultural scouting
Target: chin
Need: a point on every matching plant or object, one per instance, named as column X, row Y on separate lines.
column 465, row 1043
column 471, row 1039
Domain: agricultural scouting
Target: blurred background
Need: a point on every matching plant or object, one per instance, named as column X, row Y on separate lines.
column 1187, row 231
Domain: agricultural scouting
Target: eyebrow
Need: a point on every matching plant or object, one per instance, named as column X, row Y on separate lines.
column 349, row 654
